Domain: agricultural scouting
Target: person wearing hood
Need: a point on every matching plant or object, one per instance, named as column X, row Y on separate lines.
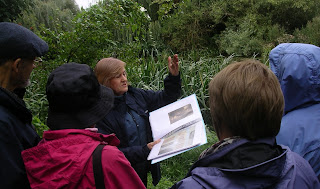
column 246, row 106
column 66, row 157
column 297, row 67
column 20, row 52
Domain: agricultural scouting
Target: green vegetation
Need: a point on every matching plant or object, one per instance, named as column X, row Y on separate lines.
column 207, row 35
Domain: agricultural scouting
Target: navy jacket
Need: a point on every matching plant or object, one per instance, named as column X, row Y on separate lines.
column 16, row 134
column 247, row 164
column 142, row 102
column 297, row 67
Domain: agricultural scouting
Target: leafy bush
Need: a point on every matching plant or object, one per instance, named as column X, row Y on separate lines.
column 239, row 27
column 188, row 27
column 55, row 15
column 112, row 28
column 11, row 9
column 310, row 33
column 243, row 41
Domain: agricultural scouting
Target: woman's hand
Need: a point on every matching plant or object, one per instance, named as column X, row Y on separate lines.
column 173, row 65
column 151, row 144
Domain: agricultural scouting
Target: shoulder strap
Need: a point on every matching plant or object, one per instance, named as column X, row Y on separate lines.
column 97, row 167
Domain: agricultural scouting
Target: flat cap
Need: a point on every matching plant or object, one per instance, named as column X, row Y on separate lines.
column 17, row 41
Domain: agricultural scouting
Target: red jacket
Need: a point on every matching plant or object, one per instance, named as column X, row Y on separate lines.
column 63, row 159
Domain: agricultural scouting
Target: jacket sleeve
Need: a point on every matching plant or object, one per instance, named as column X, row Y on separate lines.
column 171, row 92
column 134, row 154
column 12, row 174
column 118, row 171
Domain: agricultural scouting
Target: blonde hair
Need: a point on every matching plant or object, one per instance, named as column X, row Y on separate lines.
column 246, row 98
column 108, row 68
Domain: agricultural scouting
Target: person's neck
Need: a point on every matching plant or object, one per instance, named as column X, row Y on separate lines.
column 224, row 133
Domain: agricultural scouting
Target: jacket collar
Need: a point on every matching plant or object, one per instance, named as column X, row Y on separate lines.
column 207, row 160
column 16, row 105
column 57, row 134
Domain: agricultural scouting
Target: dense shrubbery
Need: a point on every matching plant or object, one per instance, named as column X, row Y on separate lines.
column 55, row 15
column 11, row 9
column 117, row 28
column 240, row 27
column 310, row 33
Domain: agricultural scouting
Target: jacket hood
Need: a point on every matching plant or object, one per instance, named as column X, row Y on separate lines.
column 297, row 67
column 62, row 157
column 278, row 172
column 265, row 174
column 63, row 133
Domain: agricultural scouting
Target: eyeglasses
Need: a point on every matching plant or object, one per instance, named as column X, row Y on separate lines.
column 37, row 61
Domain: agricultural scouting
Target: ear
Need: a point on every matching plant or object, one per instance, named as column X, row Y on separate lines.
column 16, row 64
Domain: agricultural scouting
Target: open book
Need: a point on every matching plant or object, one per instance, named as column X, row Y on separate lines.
column 180, row 127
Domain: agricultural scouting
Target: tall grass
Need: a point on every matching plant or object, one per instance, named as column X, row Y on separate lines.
column 195, row 72
column 35, row 96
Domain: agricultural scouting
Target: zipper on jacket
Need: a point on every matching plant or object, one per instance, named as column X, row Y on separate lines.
column 137, row 125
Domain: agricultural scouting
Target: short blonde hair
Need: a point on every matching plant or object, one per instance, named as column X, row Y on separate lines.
column 108, row 68
column 246, row 98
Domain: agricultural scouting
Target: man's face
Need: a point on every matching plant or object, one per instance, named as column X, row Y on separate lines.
column 25, row 68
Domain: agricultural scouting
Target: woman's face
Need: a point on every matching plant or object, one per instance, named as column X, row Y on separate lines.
column 119, row 84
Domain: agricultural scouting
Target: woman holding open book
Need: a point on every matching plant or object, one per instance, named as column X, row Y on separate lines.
column 129, row 118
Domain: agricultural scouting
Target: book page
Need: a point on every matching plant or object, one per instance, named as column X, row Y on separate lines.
column 172, row 116
column 184, row 138
column 203, row 141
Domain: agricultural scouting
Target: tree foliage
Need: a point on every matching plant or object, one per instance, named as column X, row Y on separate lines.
column 111, row 28
column 310, row 33
column 152, row 8
column 242, row 27
column 55, row 15
column 11, row 9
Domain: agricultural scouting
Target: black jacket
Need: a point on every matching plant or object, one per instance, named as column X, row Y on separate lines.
column 16, row 134
column 142, row 102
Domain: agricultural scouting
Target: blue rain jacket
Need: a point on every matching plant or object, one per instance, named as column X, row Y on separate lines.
column 297, row 67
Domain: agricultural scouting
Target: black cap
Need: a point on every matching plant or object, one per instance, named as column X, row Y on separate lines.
column 76, row 99
column 18, row 42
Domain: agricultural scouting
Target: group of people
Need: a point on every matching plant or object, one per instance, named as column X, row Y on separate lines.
column 266, row 121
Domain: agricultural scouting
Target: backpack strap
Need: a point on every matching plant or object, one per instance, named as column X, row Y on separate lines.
column 97, row 167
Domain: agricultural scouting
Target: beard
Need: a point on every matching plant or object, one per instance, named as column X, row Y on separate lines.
column 22, row 81
column 26, row 83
